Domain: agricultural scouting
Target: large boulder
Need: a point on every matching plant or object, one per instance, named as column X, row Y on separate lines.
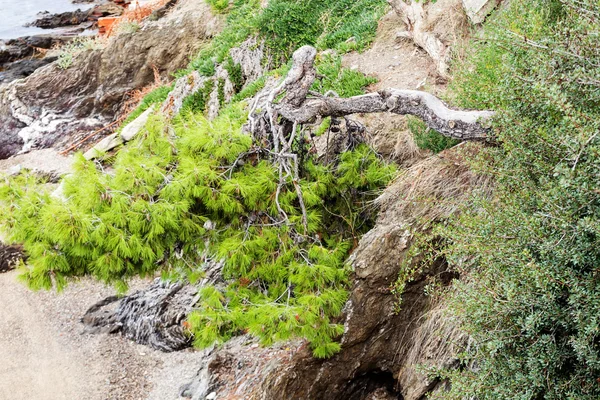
column 53, row 106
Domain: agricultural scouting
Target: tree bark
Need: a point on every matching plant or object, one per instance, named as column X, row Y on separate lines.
column 10, row 257
column 298, row 108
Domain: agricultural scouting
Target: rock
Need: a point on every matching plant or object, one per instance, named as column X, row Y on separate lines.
column 162, row 11
column 105, row 10
column 250, row 55
column 16, row 49
column 237, row 369
column 20, row 57
column 47, row 162
column 54, row 107
column 23, row 68
column 69, row 18
column 478, row 10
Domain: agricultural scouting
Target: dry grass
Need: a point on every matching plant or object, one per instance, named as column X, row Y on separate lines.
column 436, row 342
column 448, row 21
column 136, row 96
column 406, row 149
column 435, row 187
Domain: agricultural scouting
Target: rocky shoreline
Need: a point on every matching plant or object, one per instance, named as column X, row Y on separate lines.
column 21, row 56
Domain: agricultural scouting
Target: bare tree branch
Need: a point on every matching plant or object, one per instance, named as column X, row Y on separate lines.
column 297, row 108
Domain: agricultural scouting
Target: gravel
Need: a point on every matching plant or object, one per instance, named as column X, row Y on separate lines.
column 47, row 354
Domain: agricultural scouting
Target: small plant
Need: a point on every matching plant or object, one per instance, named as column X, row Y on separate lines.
column 69, row 51
column 219, row 5
column 427, row 138
column 128, row 27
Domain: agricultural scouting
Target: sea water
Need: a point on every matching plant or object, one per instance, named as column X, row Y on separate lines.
column 15, row 14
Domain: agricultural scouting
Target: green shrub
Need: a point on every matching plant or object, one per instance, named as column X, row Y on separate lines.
column 530, row 294
column 69, row 51
column 286, row 25
column 341, row 24
column 429, row 139
column 178, row 198
column 344, row 82
column 219, row 5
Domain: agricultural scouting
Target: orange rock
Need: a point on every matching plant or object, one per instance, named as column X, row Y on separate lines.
column 105, row 24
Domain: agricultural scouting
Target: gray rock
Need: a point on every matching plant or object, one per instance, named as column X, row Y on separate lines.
column 88, row 95
column 46, row 162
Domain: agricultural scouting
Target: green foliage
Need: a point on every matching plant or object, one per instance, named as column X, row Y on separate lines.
column 286, row 25
column 530, row 297
column 191, row 192
column 178, row 198
column 323, row 127
column 240, row 26
column 235, row 73
column 341, row 24
column 128, row 27
column 219, row 5
column 69, row 51
column 198, row 101
column 344, row 82
column 429, row 139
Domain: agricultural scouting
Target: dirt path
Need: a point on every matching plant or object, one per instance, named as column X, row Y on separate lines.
column 45, row 353
column 34, row 364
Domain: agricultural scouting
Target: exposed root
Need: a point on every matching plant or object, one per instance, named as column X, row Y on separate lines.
column 10, row 257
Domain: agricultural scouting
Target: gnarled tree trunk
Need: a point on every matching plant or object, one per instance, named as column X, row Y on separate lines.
column 300, row 105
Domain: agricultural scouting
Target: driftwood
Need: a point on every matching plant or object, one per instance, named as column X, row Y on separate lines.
column 277, row 124
column 154, row 316
column 415, row 19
